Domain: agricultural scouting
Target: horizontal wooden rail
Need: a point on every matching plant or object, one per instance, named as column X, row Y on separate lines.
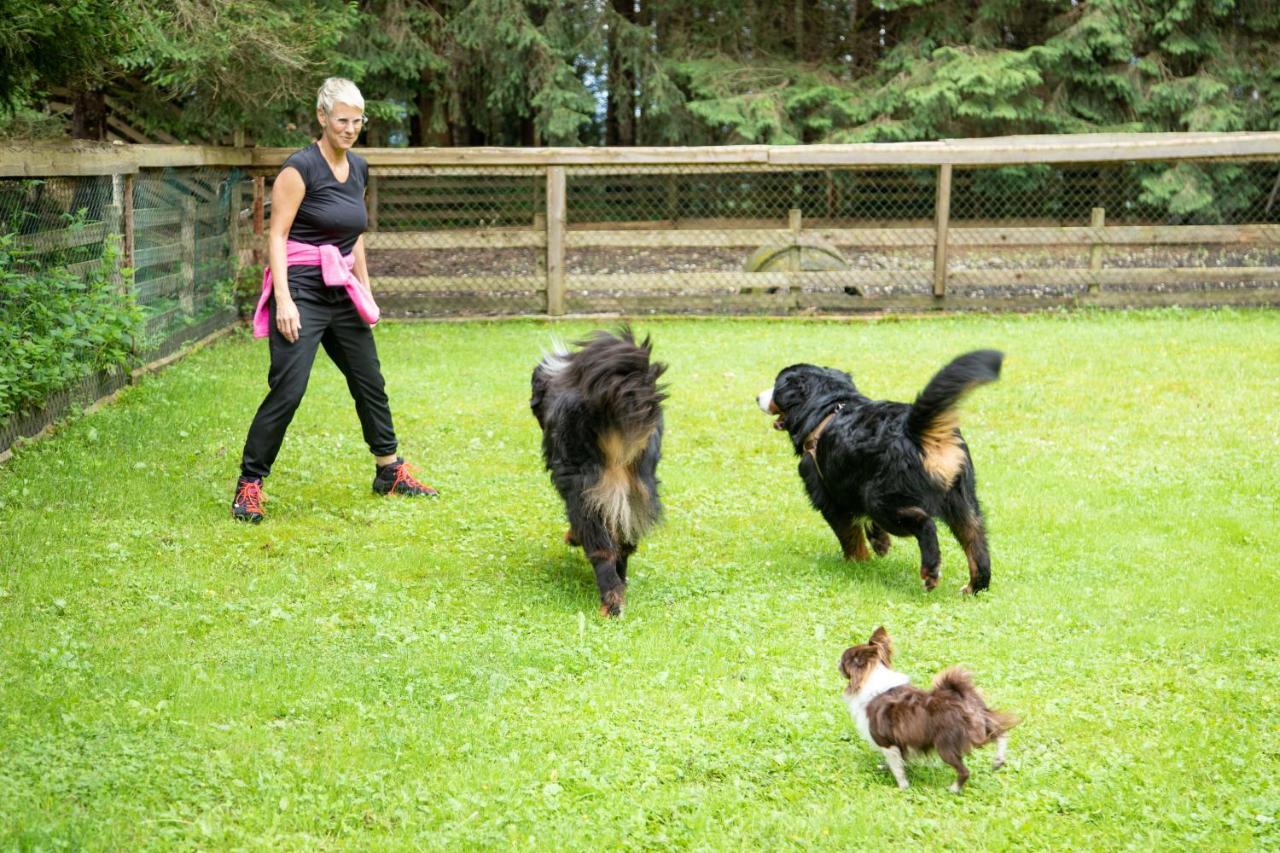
column 116, row 158
column 726, row 235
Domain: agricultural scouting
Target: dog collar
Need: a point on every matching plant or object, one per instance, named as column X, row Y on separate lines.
column 811, row 440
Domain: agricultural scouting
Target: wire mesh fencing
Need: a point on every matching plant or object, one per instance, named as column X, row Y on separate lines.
column 476, row 233
column 102, row 273
column 758, row 237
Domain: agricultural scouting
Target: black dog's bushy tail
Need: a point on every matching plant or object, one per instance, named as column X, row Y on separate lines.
column 932, row 415
column 618, row 379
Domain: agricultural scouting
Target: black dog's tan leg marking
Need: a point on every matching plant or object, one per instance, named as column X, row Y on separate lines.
column 973, row 538
column 880, row 541
column 571, row 538
column 612, row 589
column 849, row 533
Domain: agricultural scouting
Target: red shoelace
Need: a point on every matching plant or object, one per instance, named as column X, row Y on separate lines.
column 250, row 495
column 404, row 475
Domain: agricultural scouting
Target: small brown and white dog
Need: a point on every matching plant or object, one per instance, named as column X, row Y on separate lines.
column 899, row 719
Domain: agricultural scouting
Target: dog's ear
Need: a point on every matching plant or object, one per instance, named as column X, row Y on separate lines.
column 880, row 639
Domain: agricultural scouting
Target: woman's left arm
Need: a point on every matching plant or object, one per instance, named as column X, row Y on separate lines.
column 361, row 267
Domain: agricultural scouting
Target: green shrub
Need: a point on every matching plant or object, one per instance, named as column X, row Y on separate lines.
column 57, row 327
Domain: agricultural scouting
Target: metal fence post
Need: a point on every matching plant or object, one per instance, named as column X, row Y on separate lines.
column 942, row 215
column 555, row 240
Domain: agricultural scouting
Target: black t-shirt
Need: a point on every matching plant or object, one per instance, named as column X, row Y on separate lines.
column 332, row 211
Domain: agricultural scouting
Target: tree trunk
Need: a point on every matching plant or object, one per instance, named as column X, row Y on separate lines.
column 620, row 109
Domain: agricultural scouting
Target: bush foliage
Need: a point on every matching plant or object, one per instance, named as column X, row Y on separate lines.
column 57, row 327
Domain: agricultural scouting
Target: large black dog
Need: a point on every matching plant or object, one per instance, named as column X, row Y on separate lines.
column 893, row 466
column 600, row 409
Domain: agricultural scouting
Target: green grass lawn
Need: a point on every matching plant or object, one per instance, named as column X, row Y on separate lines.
column 364, row 672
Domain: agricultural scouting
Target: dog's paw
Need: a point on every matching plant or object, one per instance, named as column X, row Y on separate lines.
column 904, row 784
column 571, row 538
column 955, row 788
column 966, row 590
column 881, row 545
column 997, row 764
column 930, row 583
column 611, row 603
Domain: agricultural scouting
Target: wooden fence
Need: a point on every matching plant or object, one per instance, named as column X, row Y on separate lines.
column 426, row 246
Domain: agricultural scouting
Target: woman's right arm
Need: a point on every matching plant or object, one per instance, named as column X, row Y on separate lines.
column 286, row 198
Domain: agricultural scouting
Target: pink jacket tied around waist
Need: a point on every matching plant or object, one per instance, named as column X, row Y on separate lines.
column 335, row 268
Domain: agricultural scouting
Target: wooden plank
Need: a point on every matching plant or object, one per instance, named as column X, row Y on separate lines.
column 162, row 285
column 1011, row 150
column 942, row 214
column 556, row 216
column 85, row 267
column 65, row 238
column 1115, row 235
column 472, row 238
column 678, row 238
column 457, row 284
column 153, row 217
column 88, row 158
column 499, row 156
column 152, row 256
column 704, row 281
column 1108, row 277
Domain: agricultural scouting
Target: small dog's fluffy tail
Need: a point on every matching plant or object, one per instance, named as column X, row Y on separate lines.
column 959, row 683
column 933, row 422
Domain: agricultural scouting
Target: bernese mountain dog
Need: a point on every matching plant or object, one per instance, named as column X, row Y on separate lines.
column 893, row 467
column 600, row 409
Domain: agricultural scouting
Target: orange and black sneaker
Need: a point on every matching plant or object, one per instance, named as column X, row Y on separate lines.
column 247, row 505
column 397, row 479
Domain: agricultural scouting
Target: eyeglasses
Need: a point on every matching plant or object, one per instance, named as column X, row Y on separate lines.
column 345, row 123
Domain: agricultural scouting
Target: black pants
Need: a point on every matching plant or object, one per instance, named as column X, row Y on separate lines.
column 328, row 319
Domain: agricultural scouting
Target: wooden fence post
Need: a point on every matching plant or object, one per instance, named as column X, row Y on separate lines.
column 555, row 240
column 795, row 223
column 259, row 203
column 187, row 296
column 540, row 227
column 233, row 226
column 128, row 221
column 372, row 199
column 116, row 216
column 1097, row 219
column 942, row 216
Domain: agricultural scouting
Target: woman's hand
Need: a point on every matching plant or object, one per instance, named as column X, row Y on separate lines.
column 288, row 320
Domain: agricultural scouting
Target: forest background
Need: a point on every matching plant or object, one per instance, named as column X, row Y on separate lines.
column 640, row 72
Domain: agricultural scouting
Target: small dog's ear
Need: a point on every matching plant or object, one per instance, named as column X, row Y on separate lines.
column 880, row 639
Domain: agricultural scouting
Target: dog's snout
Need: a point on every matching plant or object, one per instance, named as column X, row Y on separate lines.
column 765, row 400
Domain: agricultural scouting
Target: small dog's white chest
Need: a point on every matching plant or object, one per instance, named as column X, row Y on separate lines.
column 882, row 679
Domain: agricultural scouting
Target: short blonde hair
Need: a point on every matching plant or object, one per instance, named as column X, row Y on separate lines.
column 338, row 89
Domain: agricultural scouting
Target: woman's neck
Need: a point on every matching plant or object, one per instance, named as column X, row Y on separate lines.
column 333, row 155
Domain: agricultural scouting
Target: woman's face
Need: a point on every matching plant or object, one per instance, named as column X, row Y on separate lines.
column 342, row 125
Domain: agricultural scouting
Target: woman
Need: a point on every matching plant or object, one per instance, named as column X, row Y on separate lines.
column 316, row 293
